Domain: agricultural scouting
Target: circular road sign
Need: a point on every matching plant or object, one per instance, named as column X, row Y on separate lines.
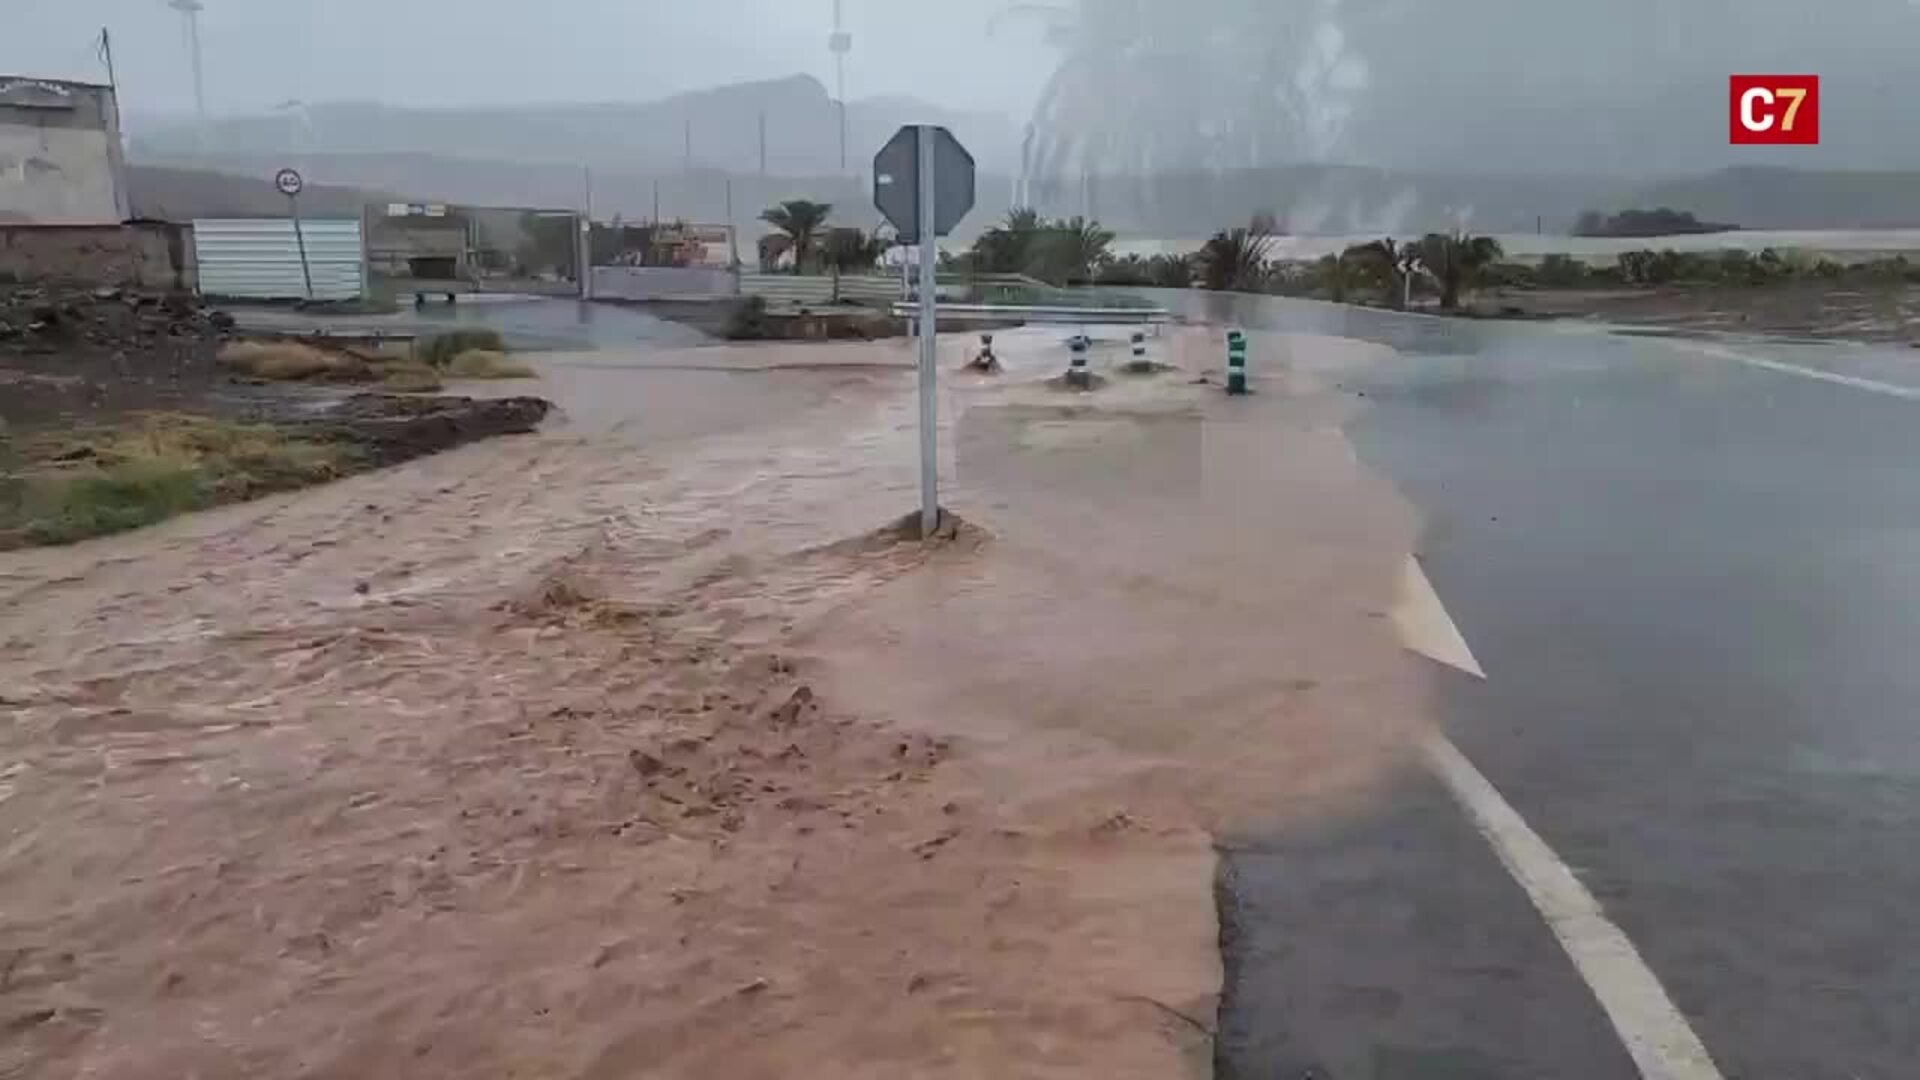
column 288, row 182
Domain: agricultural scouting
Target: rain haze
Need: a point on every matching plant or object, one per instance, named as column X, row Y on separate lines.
column 1316, row 538
column 1509, row 113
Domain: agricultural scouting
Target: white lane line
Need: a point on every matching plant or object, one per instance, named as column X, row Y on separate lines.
column 1425, row 627
column 1656, row 1036
column 1663, row 1046
column 1911, row 393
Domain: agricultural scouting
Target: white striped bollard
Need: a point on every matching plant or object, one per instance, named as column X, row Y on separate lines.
column 1236, row 362
column 1077, row 374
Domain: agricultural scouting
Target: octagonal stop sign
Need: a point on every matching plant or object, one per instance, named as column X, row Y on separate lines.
column 896, row 181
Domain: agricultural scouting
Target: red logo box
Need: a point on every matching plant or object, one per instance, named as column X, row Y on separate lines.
column 1773, row 110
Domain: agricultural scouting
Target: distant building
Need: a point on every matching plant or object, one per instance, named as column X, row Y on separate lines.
column 60, row 154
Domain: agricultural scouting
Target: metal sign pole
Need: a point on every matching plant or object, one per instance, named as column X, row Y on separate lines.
column 929, row 413
column 300, row 238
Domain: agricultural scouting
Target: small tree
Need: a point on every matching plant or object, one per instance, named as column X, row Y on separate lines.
column 849, row 251
column 1235, row 259
column 1455, row 260
column 1009, row 247
column 1172, row 271
column 1071, row 251
column 801, row 220
column 1388, row 265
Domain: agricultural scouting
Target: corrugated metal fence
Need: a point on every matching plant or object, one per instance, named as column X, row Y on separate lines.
column 259, row 258
column 818, row 289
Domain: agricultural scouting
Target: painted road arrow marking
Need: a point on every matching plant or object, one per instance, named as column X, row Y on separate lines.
column 1658, row 1038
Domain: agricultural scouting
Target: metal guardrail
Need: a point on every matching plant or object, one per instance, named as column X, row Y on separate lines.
column 1044, row 313
column 818, row 289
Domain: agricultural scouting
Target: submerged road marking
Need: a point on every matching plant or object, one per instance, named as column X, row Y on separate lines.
column 1911, row 393
column 1663, row 1046
column 1425, row 627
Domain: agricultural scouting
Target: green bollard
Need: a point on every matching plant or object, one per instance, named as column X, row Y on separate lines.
column 1236, row 362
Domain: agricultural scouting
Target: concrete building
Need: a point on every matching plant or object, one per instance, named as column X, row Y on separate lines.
column 61, row 161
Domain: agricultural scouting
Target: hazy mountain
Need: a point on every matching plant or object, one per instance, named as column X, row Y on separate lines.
column 1458, row 159
column 169, row 194
column 714, row 128
column 1774, row 198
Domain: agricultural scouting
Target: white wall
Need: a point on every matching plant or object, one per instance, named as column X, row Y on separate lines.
column 662, row 283
column 56, row 176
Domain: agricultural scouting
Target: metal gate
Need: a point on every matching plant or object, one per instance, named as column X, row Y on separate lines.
column 259, row 258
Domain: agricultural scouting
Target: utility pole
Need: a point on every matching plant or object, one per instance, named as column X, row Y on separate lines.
column 840, row 43
column 656, row 202
column 733, row 243
column 763, row 144
column 190, row 10
column 583, row 239
column 688, row 152
column 116, row 151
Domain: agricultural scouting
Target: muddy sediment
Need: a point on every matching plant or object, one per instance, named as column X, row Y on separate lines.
column 391, row 428
column 634, row 749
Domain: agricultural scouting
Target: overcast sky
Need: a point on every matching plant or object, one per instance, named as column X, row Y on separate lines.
column 433, row 52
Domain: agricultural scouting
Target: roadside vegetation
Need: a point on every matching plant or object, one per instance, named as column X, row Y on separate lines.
column 419, row 367
column 60, row 487
column 1028, row 258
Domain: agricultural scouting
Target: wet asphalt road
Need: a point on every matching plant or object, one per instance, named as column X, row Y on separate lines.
column 1694, row 585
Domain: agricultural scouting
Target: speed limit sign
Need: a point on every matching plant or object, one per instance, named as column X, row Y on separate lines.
column 288, row 182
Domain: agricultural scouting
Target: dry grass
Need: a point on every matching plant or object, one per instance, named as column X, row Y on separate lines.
column 294, row 361
column 87, row 483
column 487, row 364
column 408, row 377
column 391, row 366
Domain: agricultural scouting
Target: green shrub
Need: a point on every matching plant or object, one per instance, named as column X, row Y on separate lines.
column 1561, row 272
column 61, row 509
column 92, row 482
column 748, row 320
column 1510, row 275
column 440, row 349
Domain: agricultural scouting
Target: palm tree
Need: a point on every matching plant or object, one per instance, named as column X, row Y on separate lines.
column 1456, row 260
column 850, row 251
column 1388, row 263
column 802, row 220
column 1071, row 251
column 1009, row 247
column 1235, row 259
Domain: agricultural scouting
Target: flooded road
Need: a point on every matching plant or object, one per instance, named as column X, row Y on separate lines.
column 632, row 748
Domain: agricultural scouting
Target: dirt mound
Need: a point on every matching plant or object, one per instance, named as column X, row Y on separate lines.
column 394, row 428
column 40, row 318
column 74, row 353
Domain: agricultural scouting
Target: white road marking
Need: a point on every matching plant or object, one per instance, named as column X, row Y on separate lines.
column 1663, row 1046
column 1656, row 1036
column 1425, row 627
column 1911, row 393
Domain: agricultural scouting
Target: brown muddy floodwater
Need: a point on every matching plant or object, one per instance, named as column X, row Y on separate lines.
column 630, row 749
